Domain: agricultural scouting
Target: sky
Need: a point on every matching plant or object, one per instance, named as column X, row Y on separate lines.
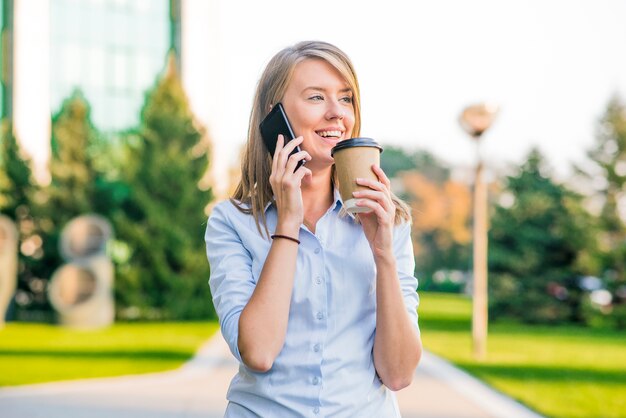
column 551, row 66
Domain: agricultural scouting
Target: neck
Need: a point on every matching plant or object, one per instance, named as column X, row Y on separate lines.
column 317, row 191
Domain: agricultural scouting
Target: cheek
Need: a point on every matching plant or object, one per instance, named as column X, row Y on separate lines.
column 350, row 126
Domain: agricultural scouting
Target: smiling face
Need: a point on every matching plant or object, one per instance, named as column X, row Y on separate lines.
column 318, row 102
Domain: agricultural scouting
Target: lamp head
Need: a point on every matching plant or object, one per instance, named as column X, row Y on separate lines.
column 477, row 118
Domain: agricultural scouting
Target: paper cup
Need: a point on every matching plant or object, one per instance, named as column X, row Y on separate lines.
column 354, row 159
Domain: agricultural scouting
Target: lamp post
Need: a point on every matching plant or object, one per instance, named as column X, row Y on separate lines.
column 475, row 120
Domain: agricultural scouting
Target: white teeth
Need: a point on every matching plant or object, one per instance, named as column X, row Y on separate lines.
column 327, row 134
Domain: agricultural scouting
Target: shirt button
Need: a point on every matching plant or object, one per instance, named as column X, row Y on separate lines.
column 317, row 251
column 320, row 315
column 316, row 347
column 316, row 380
column 316, row 410
column 318, row 280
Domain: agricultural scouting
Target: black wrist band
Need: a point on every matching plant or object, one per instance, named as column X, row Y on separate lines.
column 286, row 237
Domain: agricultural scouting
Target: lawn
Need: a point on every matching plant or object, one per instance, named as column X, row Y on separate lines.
column 557, row 371
column 34, row 353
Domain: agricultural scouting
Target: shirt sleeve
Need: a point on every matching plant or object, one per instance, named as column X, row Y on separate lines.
column 231, row 279
column 405, row 259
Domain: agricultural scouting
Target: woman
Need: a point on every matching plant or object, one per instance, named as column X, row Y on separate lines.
column 318, row 306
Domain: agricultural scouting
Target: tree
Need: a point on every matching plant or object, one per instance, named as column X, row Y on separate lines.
column 72, row 164
column 395, row 160
column 17, row 191
column 440, row 208
column 539, row 241
column 71, row 192
column 608, row 156
column 16, row 181
column 161, row 223
column 441, row 235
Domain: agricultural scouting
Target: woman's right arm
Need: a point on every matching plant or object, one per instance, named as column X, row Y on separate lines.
column 263, row 321
column 254, row 314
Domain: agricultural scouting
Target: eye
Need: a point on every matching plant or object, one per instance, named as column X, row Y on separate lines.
column 346, row 99
column 316, row 97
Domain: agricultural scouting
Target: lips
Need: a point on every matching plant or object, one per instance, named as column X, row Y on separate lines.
column 331, row 136
column 331, row 140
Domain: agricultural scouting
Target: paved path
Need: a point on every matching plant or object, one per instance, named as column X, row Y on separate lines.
column 197, row 390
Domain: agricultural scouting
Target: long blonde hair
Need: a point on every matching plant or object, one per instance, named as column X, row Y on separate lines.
column 254, row 190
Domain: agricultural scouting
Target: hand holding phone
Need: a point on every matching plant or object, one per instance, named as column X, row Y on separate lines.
column 274, row 124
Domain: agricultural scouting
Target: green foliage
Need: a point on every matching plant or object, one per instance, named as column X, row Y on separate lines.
column 16, row 182
column 18, row 191
column 72, row 191
column 440, row 209
column 609, row 156
column 73, row 176
column 395, row 160
column 538, row 247
column 163, row 272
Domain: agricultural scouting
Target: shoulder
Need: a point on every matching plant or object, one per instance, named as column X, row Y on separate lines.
column 229, row 215
column 229, row 209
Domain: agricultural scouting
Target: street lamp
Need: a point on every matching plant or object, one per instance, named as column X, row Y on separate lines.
column 475, row 120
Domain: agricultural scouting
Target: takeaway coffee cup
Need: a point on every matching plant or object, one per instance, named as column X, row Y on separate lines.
column 353, row 159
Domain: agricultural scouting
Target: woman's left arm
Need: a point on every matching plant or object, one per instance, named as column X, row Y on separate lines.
column 397, row 344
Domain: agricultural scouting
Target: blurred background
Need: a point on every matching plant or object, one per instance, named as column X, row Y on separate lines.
column 120, row 107
column 135, row 112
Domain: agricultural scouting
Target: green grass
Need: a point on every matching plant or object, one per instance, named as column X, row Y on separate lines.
column 563, row 371
column 35, row 353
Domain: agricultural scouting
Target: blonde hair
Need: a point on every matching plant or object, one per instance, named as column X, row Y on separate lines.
column 254, row 191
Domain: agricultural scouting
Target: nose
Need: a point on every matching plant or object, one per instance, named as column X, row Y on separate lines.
column 335, row 111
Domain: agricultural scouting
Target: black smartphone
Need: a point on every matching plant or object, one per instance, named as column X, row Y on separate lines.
column 274, row 124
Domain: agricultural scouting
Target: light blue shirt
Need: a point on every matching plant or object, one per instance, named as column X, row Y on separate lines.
column 326, row 366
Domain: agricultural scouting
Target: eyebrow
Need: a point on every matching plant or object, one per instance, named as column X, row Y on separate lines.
column 347, row 89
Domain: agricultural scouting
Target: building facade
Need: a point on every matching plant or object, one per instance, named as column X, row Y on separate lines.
column 112, row 51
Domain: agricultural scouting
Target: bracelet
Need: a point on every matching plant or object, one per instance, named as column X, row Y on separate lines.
column 286, row 237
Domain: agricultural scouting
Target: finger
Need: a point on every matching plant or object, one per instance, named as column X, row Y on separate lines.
column 380, row 212
column 381, row 175
column 284, row 153
column 373, row 184
column 302, row 172
column 295, row 159
column 279, row 146
column 381, row 197
column 291, row 145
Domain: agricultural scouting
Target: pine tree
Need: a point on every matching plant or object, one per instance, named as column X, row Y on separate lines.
column 17, row 191
column 72, row 167
column 162, row 221
column 609, row 156
column 71, row 191
column 538, row 244
column 16, row 181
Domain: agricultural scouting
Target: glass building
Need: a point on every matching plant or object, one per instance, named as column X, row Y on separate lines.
column 112, row 50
